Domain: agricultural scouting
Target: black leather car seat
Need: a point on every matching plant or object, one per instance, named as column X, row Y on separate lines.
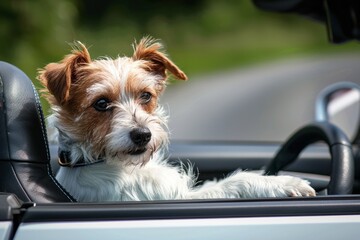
column 24, row 152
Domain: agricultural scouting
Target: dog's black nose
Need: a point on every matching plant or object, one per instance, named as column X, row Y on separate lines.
column 140, row 136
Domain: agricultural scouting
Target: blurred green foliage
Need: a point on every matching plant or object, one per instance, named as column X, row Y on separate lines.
column 34, row 32
column 201, row 36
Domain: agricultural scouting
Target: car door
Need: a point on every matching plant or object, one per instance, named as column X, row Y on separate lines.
column 314, row 218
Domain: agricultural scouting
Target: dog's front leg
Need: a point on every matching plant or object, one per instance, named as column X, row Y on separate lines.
column 252, row 185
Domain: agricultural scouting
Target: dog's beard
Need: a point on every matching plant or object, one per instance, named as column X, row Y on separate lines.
column 129, row 158
column 120, row 148
column 122, row 151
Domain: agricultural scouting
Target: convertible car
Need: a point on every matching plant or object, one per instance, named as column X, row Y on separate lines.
column 33, row 205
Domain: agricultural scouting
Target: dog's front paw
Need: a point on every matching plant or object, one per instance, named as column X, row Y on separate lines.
column 295, row 187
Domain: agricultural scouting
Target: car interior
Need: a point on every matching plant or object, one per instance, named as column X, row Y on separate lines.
column 30, row 192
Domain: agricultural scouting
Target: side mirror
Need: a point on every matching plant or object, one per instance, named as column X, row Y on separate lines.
column 339, row 104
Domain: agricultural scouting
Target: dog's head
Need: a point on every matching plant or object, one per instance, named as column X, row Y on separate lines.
column 109, row 107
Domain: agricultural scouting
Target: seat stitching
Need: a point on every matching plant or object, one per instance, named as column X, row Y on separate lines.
column 43, row 131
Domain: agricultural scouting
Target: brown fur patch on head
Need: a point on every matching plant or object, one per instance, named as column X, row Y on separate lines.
column 136, row 86
column 58, row 77
column 149, row 50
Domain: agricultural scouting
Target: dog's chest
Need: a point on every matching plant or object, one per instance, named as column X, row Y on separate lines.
column 132, row 183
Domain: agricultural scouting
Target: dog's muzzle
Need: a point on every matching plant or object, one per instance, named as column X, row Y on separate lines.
column 140, row 137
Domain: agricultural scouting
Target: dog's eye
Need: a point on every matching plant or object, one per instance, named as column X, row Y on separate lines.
column 102, row 105
column 145, row 97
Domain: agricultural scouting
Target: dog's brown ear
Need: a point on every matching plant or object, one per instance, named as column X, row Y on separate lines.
column 58, row 77
column 150, row 50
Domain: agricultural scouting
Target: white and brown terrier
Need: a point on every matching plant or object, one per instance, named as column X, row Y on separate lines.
column 113, row 135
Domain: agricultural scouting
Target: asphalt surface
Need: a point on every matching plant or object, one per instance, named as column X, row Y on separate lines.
column 262, row 103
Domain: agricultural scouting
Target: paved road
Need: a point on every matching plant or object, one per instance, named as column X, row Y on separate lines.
column 265, row 102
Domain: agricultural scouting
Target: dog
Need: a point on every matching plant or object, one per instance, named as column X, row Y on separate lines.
column 113, row 135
